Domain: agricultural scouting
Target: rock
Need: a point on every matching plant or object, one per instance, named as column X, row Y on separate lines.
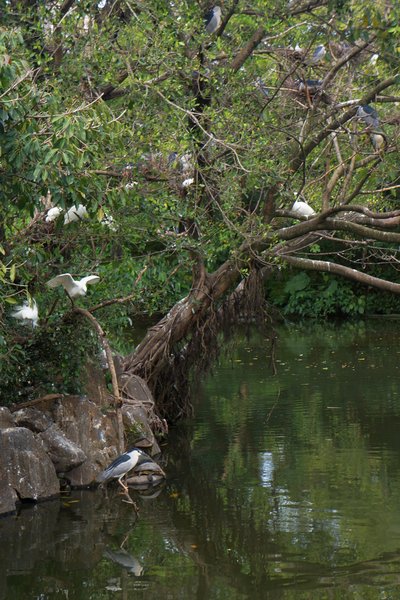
column 95, row 433
column 64, row 454
column 29, row 472
column 145, row 481
column 137, row 428
column 6, row 418
column 32, row 419
column 136, row 389
column 95, row 385
column 8, row 496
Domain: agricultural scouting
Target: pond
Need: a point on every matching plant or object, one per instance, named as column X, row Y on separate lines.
column 281, row 487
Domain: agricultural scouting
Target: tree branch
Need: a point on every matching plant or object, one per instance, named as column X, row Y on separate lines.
column 117, row 398
column 343, row 271
column 248, row 49
column 324, row 133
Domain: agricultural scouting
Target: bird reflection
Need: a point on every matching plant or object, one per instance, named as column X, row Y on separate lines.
column 126, row 560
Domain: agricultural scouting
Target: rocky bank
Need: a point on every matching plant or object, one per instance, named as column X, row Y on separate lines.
column 65, row 441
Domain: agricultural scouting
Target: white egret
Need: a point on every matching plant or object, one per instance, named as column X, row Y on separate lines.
column 27, row 313
column 73, row 287
column 188, row 182
column 373, row 60
column 75, row 213
column 303, row 209
column 53, row 214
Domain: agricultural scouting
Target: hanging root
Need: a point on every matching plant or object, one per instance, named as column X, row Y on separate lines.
column 194, row 356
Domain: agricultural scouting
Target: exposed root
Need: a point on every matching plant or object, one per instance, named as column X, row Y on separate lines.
column 196, row 353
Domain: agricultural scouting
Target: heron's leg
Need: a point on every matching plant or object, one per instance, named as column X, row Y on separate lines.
column 123, row 485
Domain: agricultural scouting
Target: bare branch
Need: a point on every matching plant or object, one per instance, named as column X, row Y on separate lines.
column 247, row 50
column 343, row 271
column 117, row 398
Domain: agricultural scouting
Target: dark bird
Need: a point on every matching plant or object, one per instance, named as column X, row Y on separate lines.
column 312, row 88
column 369, row 115
column 123, row 464
column 260, row 85
column 317, row 56
column 311, row 85
column 172, row 156
column 213, row 19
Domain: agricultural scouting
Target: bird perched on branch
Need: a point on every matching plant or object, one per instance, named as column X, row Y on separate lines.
column 317, row 56
column 123, row 464
column 75, row 213
column 369, row 115
column 312, row 89
column 378, row 141
column 27, row 313
column 312, row 85
column 260, row 85
column 213, row 19
column 53, row 214
column 303, row 209
column 73, row 287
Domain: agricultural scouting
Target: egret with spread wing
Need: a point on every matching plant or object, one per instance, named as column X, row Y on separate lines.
column 73, row 287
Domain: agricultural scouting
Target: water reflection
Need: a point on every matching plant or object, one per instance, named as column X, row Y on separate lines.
column 282, row 488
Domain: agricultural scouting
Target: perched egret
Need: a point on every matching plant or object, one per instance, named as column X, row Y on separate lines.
column 75, row 214
column 303, row 209
column 27, row 313
column 188, row 182
column 213, row 19
column 73, row 287
column 317, row 56
column 53, row 214
column 373, row 60
column 123, row 464
column 369, row 115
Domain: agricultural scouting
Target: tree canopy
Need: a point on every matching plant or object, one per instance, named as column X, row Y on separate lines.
column 189, row 150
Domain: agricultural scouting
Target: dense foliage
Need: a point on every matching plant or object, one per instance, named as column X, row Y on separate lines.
column 176, row 149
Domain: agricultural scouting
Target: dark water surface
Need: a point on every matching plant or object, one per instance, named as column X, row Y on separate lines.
column 284, row 487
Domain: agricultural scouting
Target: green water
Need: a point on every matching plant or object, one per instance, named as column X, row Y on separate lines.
column 282, row 487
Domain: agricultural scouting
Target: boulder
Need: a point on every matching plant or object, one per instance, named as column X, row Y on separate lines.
column 94, row 433
column 64, row 454
column 6, row 418
column 95, row 385
column 8, row 496
column 136, row 389
column 32, row 419
column 29, row 472
column 137, row 428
